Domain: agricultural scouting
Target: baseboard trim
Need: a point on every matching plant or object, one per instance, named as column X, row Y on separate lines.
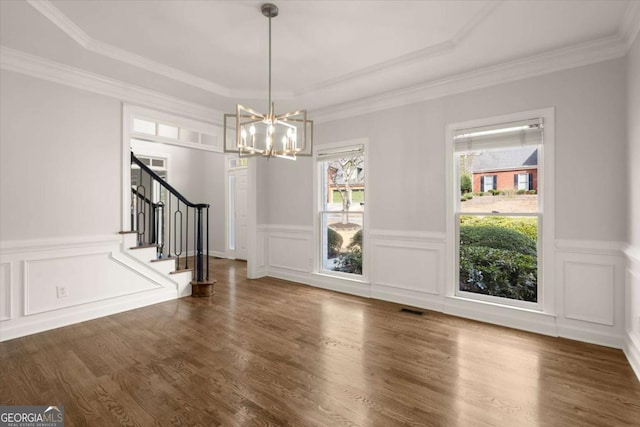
column 591, row 337
column 406, row 297
column 632, row 351
column 351, row 287
column 515, row 318
column 217, row 254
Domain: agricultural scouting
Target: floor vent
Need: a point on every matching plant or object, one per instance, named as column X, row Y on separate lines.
column 408, row 310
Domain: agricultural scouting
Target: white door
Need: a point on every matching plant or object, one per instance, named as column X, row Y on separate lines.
column 237, row 220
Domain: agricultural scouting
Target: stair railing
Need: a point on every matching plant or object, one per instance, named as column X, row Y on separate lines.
column 160, row 216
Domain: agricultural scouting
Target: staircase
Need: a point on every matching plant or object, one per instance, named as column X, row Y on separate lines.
column 168, row 232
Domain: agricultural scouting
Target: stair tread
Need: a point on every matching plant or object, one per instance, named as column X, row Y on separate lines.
column 127, row 232
column 181, row 270
column 171, row 258
column 151, row 245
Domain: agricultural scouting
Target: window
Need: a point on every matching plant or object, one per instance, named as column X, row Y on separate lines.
column 523, row 181
column 341, row 210
column 498, row 223
column 488, row 182
column 162, row 128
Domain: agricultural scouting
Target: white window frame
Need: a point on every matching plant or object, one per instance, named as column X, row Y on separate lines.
column 546, row 289
column 319, row 204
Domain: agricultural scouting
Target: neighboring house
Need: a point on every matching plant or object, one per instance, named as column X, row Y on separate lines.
column 356, row 186
column 514, row 169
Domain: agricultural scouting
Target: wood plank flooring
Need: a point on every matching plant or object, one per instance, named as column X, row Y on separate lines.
column 271, row 352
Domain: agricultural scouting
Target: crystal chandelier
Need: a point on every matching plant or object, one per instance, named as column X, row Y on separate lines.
column 250, row 133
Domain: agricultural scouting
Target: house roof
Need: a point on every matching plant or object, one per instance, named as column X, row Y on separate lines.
column 512, row 158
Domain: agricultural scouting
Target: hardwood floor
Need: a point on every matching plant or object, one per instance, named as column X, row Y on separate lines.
column 271, row 352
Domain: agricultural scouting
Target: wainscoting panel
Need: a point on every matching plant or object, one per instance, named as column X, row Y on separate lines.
column 51, row 283
column 6, row 283
column 260, row 268
column 290, row 249
column 590, row 286
column 589, row 292
column 632, row 309
column 587, row 301
column 409, row 266
column 81, row 276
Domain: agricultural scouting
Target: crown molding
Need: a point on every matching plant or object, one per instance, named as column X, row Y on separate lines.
column 64, row 23
column 412, row 57
column 60, row 20
column 574, row 56
column 34, row 66
column 592, row 52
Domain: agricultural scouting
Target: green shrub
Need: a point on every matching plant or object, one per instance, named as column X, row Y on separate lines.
column 466, row 196
column 334, row 243
column 351, row 262
column 356, row 240
column 494, row 192
column 521, row 192
column 532, row 192
column 465, row 183
column 498, row 272
column 525, row 225
column 497, row 238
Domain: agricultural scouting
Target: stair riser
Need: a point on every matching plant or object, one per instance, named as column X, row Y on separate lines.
column 164, row 267
column 144, row 254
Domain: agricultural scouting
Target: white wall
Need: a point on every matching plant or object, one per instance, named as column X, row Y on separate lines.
column 407, row 150
column 60, row 152
column 290, row 191
column 632, row 348
column 213, row 192
column 406, row 202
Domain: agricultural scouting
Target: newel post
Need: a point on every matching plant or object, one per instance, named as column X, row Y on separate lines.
column 201, row 286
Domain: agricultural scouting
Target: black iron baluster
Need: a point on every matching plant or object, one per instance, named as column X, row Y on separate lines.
column 152, row 217
column 150, row 222
column 175, row 234
column 198, row 233
column 195, row 243
column 186, row 233
column 160, row 228
column 134, row 210
column 141, row 214
column 207, row 231
column 169, row 226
